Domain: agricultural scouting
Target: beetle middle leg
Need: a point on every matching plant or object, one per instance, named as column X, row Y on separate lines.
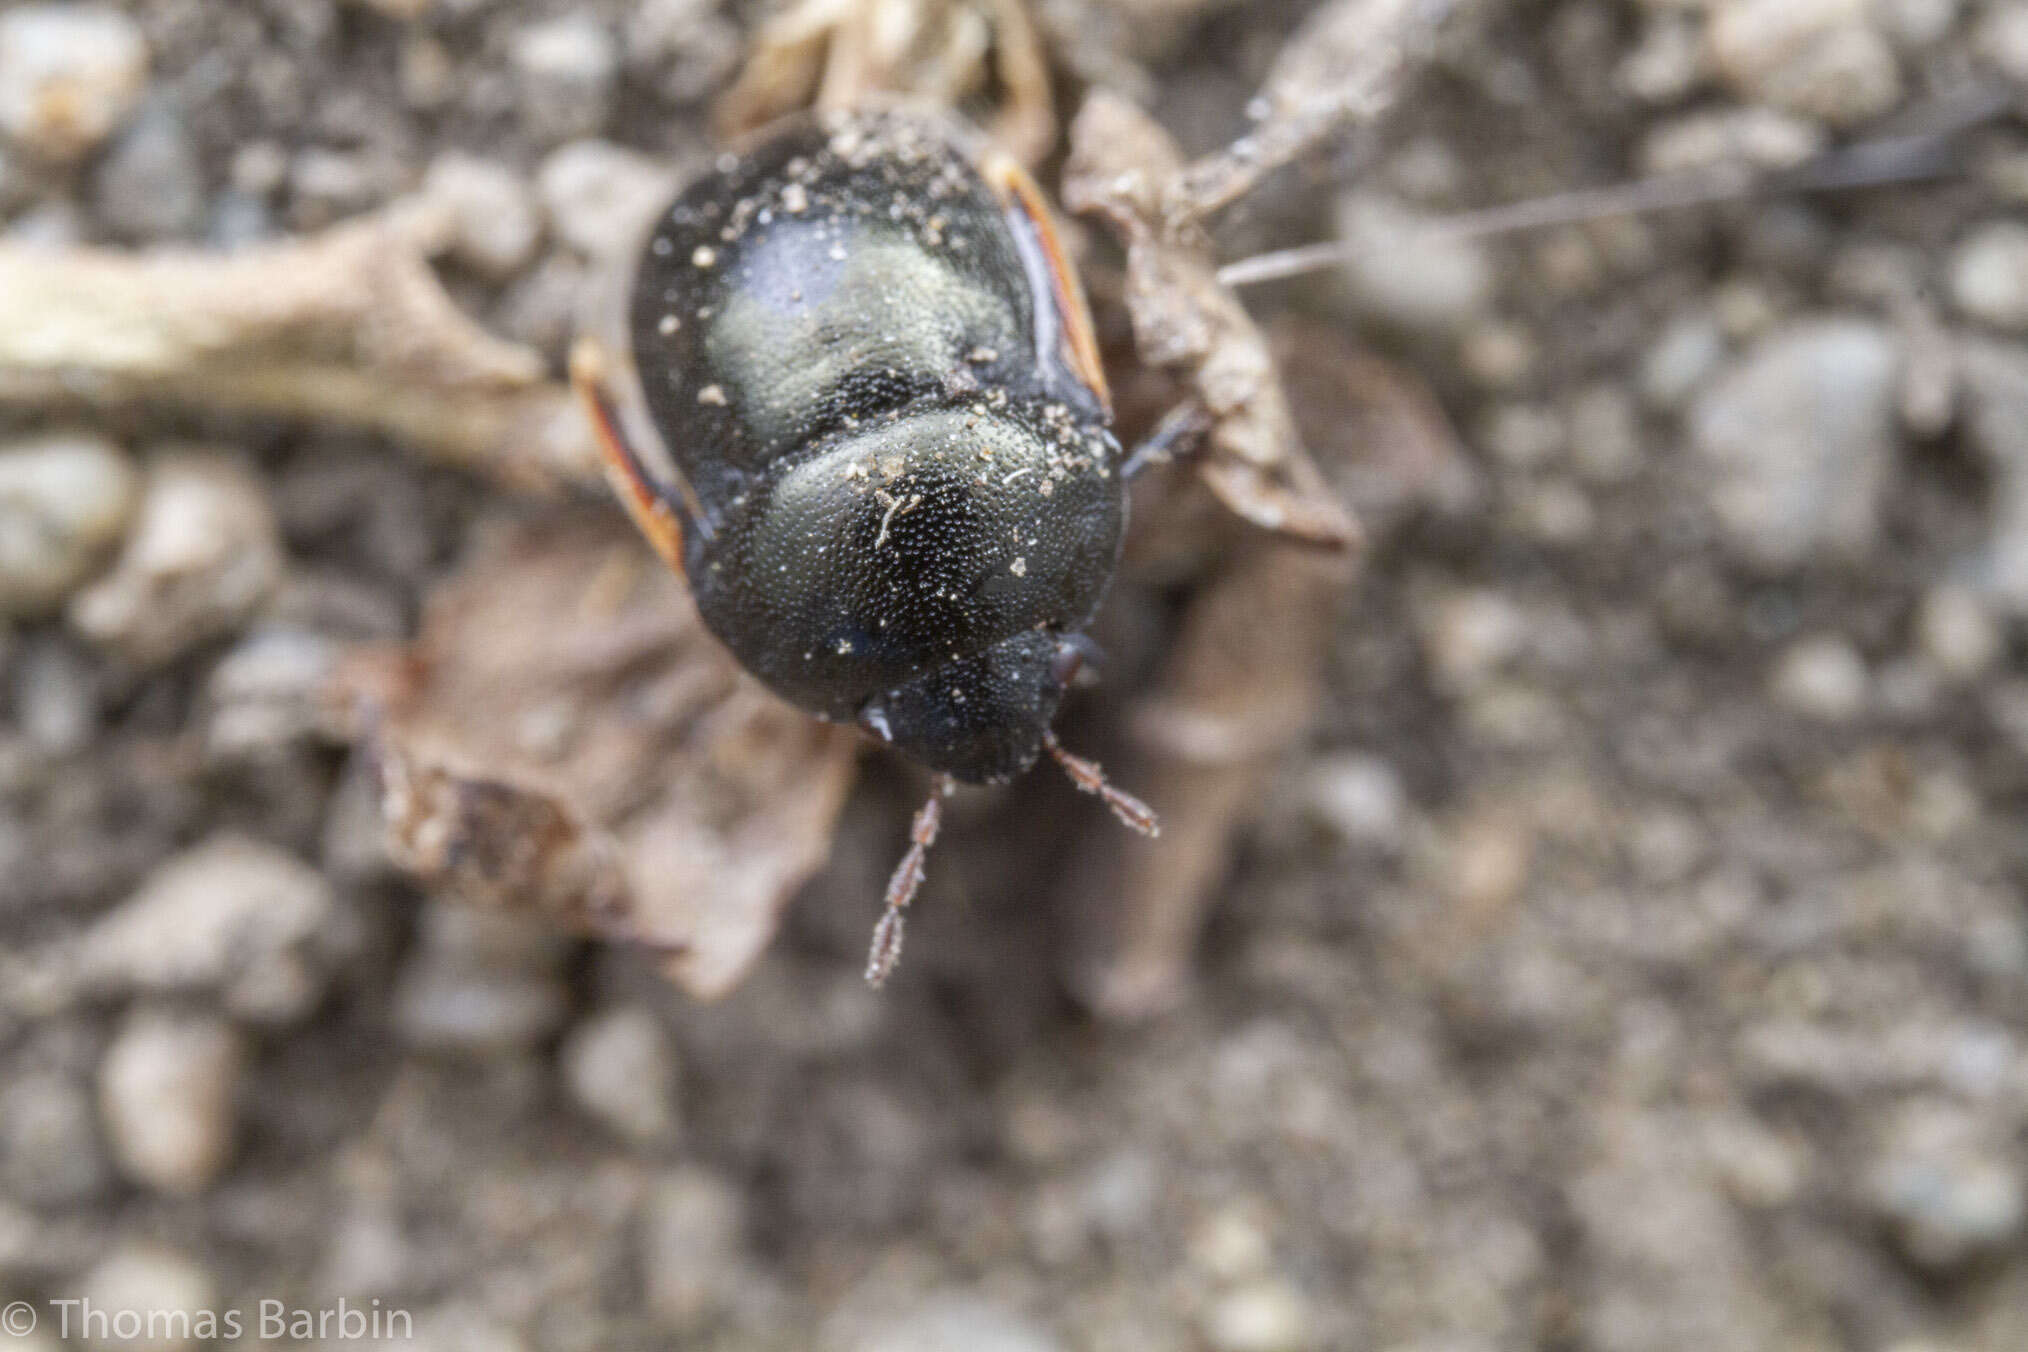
column 1180, row 433
column 655, row 507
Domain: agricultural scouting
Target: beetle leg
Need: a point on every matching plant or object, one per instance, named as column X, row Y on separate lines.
column 1181, row 432
column 655, row 508
column 901, row 888
column 1087, row 776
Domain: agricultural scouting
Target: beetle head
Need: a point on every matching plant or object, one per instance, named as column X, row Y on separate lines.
column 981, row 718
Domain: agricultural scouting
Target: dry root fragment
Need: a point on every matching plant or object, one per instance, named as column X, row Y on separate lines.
column 835, row 53
column 350, row 326
column 565, row 738
column 1240, row 685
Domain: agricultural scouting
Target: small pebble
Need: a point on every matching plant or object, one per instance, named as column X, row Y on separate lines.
column 1267, row 1315
column 150, row 186
column 56, row 699
column 1819, row 58
column 50, row 1154
column 1524, row 436
column 1798, row 436
column 600, row 196
column 166, row 1090
column 1989, row 275
column 480, row 984
column 1497, row 354
column 1685, row 354
column 69, row 75
column 203, row 553
column 692, row 1245
column 686, row 47
column 619, row 1068
column 1914, row 25
column 141, row 1279
column 2001, row 40
column 1605, row 435
column 565, row 70
column 1951, row 1194
column 65, row 497
column 497, row 224
column 229, row 914
column 1957, row 633
column 1357, row 798
column 1469, row 636
column 1402, row 274
column 946, row 1321
column 1822, row 677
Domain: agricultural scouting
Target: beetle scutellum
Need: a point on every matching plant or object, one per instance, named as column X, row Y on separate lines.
column 897, row 500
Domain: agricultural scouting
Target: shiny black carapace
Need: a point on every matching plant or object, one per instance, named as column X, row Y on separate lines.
column 895, row 495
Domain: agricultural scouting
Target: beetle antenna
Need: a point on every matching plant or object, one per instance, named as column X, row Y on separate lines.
column 1920, row 154
column 1086, row 774
column 901, row 888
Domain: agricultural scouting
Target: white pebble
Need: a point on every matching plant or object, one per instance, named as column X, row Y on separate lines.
column 204, row 552
column 1820, row 58
column 498, row 227
column 64, row 498
column 1268, row 1315
column 1958, row 634
column 69, row 75
column 138, row 1280
column 600, row 197
column 1822, row 677
column 1401, row 273
column 619, row 1068
column 230, row 915
column 166, row 1091
column 566, row 69
column 1989, row 275
column 1357, row 798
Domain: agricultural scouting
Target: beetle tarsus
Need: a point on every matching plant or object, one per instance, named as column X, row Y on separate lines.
column 1180, row 433
column 901, row 888
column 1087, row 775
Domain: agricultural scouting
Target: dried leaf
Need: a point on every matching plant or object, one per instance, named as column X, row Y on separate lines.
column 564, row 737
column 1121, row 164
column 838, row 53
column 350, row 325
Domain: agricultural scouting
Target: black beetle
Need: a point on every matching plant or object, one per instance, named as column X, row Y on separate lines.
column 896, row 498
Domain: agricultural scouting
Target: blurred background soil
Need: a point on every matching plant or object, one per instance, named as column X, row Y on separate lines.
column 1633, row 960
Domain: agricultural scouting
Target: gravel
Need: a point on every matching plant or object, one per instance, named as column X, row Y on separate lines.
column 1633, row 959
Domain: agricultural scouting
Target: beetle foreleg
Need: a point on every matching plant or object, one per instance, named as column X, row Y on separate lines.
column 1087, row 776
column 1181, row 432
column 901, row 888
column 654, row 508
